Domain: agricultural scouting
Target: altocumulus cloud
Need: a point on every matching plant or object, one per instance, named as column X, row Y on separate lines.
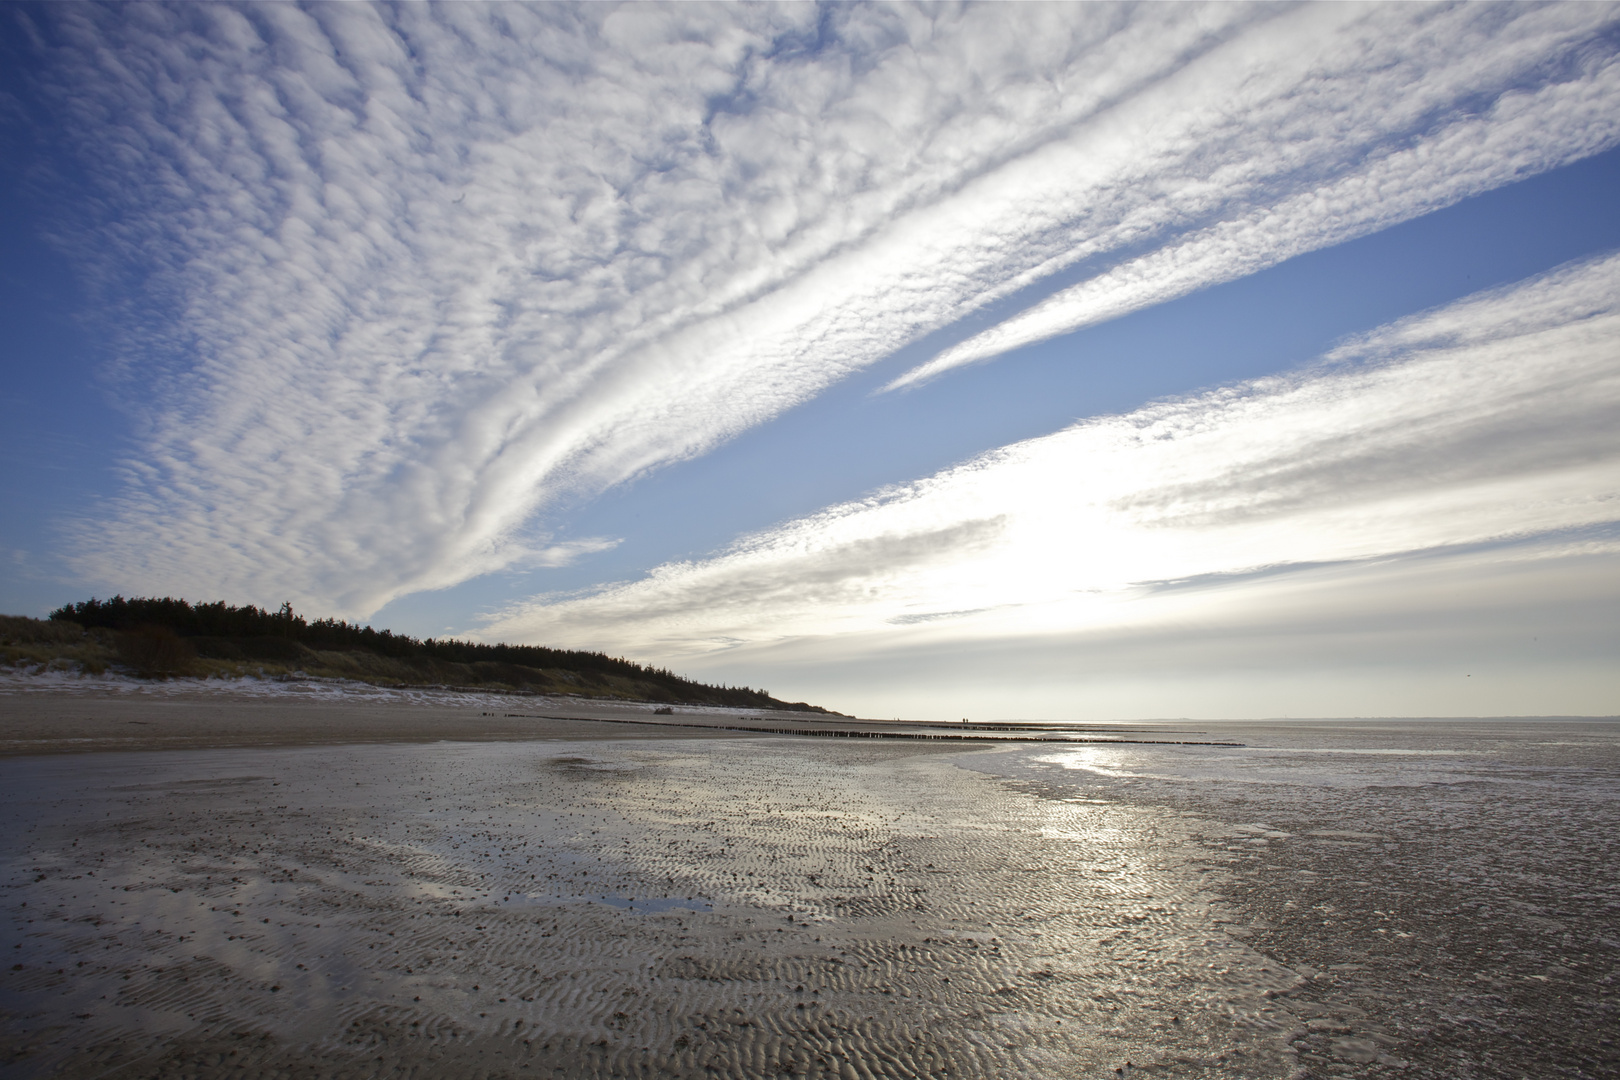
column 414, row 277
column 1479, row 436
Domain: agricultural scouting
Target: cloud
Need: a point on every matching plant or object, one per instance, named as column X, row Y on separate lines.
column 1354, row 180
column 1522, row 629
column 394, row 284
column 569, row 552
column 1479, row 431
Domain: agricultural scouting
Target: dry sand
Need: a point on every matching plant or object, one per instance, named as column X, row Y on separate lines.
column 78, row 716
column 639, row 905
column 55, row 713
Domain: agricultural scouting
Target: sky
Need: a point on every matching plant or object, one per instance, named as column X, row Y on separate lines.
column 1047, row 361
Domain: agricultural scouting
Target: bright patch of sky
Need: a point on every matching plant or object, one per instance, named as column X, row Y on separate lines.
column 1064, row 360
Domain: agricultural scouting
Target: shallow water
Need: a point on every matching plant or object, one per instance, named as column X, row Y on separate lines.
column 1568, row 754
column 1449, row 887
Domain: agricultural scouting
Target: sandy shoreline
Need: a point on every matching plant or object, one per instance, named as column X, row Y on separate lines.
column 31, row 727
column 72, row 715
column 338, row 887
column 84, row 717
column 668, row 904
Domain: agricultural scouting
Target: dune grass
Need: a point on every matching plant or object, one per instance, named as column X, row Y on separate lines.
column 57, row 646
column 152, row 650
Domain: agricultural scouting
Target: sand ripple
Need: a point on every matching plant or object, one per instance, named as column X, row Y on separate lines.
column 744, row 907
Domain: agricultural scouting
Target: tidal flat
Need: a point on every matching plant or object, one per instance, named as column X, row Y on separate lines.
column 701, row 903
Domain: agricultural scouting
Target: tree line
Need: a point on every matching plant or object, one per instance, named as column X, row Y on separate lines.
column 222, row 620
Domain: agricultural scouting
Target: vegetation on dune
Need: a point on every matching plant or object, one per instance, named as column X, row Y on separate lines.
column 163, row 637
column 55, row 646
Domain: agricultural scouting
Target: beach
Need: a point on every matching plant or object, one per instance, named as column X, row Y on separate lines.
column 345, row 884
column 1445, row 888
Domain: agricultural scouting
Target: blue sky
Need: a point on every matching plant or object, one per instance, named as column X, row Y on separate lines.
column 1074, row 361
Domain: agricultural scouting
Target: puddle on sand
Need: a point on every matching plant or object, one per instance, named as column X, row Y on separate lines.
column 630, row 909
column 630, row 903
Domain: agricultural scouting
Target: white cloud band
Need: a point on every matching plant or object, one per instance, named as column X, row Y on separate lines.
column 1487, row 421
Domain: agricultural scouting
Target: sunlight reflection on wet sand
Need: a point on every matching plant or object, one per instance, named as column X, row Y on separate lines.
column 634, row 908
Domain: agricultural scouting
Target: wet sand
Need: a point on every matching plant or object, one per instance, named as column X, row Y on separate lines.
column 701, row 905
column 570, row 898
column 1447, row 888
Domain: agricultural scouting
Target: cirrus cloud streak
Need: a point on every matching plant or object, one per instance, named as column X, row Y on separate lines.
column 413, row 279
column 1478, row 433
